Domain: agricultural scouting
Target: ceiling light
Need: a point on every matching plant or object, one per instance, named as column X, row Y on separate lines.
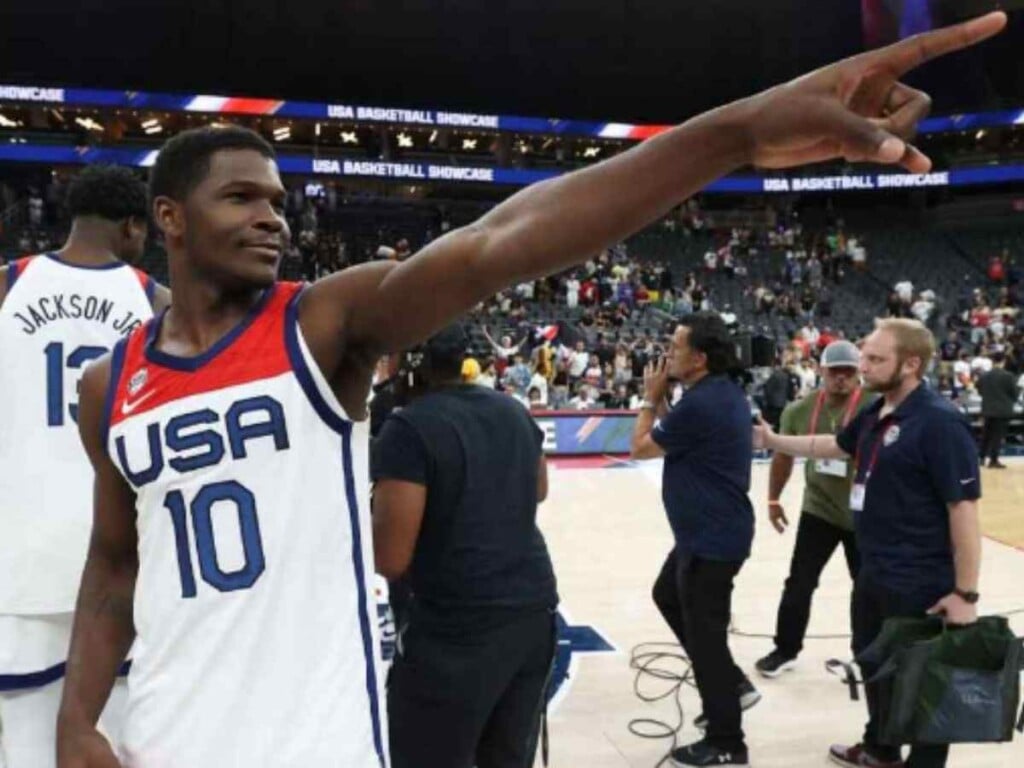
column 88, row 123
column 405, row 140
column 349, row 137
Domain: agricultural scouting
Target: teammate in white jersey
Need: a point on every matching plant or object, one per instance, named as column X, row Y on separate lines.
column 58, row 311
column 235, row 520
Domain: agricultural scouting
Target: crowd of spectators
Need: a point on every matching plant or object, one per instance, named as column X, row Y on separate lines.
column 580, row 340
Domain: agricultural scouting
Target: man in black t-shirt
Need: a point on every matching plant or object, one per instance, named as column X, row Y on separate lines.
column 458, row 475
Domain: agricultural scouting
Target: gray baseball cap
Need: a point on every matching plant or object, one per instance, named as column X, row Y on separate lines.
column 840, row 354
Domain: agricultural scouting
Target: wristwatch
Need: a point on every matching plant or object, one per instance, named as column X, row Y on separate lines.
column 966, row 595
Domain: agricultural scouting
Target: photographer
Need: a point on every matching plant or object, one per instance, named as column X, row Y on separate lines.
column 706, row 441
column 458, row 475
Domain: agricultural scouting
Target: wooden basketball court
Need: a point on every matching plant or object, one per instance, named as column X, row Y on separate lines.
column 608, row 536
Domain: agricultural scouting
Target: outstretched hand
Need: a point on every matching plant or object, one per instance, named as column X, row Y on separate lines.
column 856, row 108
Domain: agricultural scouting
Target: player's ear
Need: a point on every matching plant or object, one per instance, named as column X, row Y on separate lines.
column 169, row 216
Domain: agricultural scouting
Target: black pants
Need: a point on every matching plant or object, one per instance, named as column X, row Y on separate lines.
column 695, row 597
column 816, row 540
column 992, row 436
column 471, row 699
column 872, row 605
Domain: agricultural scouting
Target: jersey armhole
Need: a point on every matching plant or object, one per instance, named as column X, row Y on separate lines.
column 116, row 367
column 148, row 284
column 309, row 375
column 16, row 269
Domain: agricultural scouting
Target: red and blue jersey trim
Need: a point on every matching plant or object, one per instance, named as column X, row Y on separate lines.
column 148, row 284
column 16, row 269
column 254, row 350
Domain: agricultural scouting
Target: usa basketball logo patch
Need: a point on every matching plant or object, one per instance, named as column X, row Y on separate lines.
column 892, row 434
column 138, row 381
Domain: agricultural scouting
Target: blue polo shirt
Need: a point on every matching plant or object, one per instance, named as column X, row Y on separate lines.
column 914, row 462
column 707, row 439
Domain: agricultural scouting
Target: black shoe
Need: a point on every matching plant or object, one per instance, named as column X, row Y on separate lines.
column 996, row 465
column 703, row 753
column 774, row 664
column 749, row 696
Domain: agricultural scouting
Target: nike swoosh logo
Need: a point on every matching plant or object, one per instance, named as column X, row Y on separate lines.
column 968, row 481
column 127, row 408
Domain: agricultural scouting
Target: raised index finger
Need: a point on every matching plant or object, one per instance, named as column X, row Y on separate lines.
column 905, row 55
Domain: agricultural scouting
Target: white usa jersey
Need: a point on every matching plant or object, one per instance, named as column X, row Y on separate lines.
column 256, row 634
column 55, row 319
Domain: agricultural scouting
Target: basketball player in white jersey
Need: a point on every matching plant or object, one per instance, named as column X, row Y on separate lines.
column 231, row 531
column 58, row 311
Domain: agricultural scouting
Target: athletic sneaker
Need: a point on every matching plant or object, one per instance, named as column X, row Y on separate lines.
column 703, row 753
column 774, row 664
column 749, row 696
column 858, row 757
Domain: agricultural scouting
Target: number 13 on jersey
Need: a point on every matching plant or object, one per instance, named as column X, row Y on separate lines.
column 56, row 371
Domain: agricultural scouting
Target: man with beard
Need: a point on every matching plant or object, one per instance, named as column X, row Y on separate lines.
column 914, row 498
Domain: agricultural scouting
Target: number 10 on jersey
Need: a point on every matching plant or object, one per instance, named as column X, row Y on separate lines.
column 200, row 511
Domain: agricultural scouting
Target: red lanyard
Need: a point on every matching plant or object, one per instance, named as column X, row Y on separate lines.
column 874, row 452
column 847, row 416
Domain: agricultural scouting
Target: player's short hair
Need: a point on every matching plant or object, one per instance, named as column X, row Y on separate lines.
column 107, row 191
column 184, row 160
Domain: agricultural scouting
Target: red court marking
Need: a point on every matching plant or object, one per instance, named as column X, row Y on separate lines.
column 603, row 461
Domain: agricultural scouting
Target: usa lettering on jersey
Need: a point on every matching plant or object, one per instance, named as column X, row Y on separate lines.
column 179, row 445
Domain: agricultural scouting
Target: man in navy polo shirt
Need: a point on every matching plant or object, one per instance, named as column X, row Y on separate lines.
column 914, row 499
column 706, row 441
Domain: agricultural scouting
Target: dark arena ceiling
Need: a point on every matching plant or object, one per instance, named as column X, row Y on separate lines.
column 628, row 60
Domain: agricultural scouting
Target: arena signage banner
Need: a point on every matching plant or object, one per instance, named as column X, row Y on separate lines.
column 31, row 93
column 412, row 117
column 353, row 113
column 568, row 433
column 304, row 165
column 870, row 181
